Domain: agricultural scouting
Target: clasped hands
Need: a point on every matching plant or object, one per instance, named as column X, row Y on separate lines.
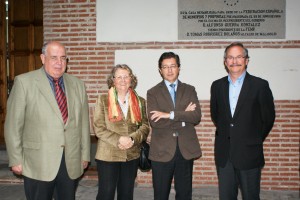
column 157, row 115
column 125, row 142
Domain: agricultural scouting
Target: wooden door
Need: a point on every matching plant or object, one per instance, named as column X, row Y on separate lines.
column 26, row 36
column 25, row 40
column 3, row 90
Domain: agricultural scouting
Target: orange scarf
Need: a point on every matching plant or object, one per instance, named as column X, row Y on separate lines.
column 114, row 109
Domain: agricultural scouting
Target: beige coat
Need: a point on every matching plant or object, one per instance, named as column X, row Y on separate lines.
column 35, row 133
column 108, row 133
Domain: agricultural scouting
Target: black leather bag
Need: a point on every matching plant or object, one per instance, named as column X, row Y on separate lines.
column 144, row 163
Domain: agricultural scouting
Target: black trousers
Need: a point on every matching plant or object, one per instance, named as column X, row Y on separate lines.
column 230, row 179
column 163, row 173
column 63, row 187
column 116, row 175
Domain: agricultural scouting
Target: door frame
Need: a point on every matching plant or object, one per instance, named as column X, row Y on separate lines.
column 3, row 71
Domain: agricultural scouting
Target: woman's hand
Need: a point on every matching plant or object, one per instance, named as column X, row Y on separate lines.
column 125, row 142
column 148, row 140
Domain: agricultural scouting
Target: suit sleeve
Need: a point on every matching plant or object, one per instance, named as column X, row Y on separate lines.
column 85, row 141
column 267, row 109
column 180, row 115
column 153, row 104
column 192, row 117
column 14, row 123
column 213, row 104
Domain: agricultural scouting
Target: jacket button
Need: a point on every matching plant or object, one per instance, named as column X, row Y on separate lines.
column 232, row 125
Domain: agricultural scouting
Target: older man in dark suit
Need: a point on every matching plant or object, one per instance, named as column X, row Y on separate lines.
column 242, row 109
column 173, row 110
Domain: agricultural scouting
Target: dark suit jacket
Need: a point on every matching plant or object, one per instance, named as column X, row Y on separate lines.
column 163, row 139
column 240, row 138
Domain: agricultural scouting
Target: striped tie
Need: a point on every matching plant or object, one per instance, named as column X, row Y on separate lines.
column 61, row 101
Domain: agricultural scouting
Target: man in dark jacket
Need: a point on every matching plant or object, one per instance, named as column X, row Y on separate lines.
column 242, row 110
column 174, row 111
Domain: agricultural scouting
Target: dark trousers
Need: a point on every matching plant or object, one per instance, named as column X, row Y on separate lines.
column 231, row 178
column 162, row 175
column 63, row 187
column 116, row 175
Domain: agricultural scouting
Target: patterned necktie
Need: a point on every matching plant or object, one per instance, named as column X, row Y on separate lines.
column 173, row 92
column 61, row 101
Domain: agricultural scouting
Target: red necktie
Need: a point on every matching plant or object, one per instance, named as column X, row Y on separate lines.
column 61, row 101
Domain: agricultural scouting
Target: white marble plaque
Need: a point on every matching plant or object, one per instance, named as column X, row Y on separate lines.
column 231, row 19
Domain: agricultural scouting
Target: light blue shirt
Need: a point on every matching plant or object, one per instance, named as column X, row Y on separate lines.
column 170, row 88
column 234, row 91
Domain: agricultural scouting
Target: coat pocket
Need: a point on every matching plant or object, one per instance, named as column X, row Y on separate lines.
column 254, row 142
column 31, row 145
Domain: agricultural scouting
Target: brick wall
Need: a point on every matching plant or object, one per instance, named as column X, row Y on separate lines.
column 73, row 22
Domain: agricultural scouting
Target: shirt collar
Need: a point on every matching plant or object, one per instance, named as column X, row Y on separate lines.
column 240, row 79
column 168, row 83
column 50, row 78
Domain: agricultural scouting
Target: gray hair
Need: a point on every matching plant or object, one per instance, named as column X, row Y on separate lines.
column 46, row 44
column 110, row 79
column 235, row 44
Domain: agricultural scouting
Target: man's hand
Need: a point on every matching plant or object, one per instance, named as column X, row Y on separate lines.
column 191, row 107
column 85, row 164
column 157, row 115
column 18, row 169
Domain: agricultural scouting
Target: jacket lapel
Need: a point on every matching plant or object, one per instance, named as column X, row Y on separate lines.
column 165, row 94
column 70, row 94
column 243, row 94
column 226, row 97
column 42, row 83
column 179, row 93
